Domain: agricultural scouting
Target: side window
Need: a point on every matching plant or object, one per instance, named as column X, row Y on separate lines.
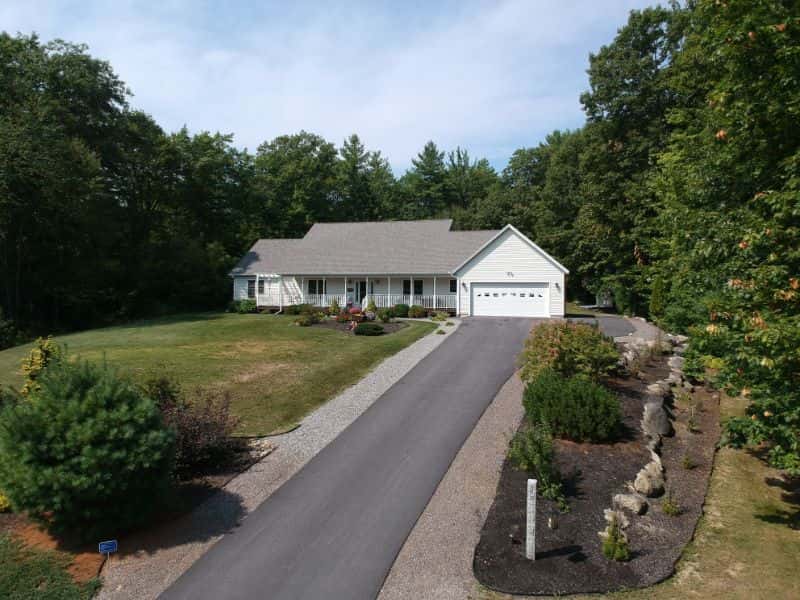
column 260, row 286
column 406, row 287
column 453, row 286
column 417, row 287
column 251, row 288
column 312, row 286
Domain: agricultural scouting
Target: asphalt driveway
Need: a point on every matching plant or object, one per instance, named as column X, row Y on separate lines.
column 334, row 529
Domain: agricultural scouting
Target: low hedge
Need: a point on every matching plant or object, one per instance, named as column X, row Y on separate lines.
column 242, row 307
column 417, row 312
column 575, row 408
column 367, row 328
column 401, row 310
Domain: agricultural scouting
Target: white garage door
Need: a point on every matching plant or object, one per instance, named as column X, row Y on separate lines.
column 511, row 299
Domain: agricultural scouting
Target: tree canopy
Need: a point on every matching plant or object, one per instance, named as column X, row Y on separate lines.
column 679, row 195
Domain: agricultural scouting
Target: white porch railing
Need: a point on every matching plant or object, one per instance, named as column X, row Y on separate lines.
column 445, row 301
column 323, row 300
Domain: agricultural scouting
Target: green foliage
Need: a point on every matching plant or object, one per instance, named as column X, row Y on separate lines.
column 307, row 320
column 416, row 311
column 569, row 349
column 5, row 505
column 9, row 336
column 243, row 307
column 401, row 310
column 657, row 298
column 439, row 316
column 371, row 306
column 334, row 308
column 44, row 353
column 615, row 543
column 367, row 328
column 203, row 426
column 386, row 315
column 670, row 506
column 532, row 450
column 575, row 408
column 29, row 573
column 88, row 454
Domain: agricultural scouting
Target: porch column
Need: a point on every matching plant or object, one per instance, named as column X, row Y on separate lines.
column 434, row 292
column 389, row 293
column 280, row 293
column 325, row 291
column 411, row 290
column 256, row 294
column 367, row 296
column 458, row 297
column 345, row 291
column 302, row 290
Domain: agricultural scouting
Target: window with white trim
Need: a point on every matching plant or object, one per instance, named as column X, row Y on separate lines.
column 260, row 286
column 251, row 288
column 453, row 286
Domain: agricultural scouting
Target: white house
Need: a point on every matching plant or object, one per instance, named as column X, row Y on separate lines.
column 489, row 273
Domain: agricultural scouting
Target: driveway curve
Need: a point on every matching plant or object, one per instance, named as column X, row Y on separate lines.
column 334, row 529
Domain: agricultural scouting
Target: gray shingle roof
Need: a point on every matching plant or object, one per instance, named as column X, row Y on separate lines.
column 372, row 248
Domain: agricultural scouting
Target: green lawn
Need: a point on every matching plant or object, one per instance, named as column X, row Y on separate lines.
column 275, row 372
column 41, row 574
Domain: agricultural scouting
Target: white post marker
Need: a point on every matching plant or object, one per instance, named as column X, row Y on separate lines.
column 530, row 537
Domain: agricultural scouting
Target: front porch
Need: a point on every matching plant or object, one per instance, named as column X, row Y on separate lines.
column 433, row 292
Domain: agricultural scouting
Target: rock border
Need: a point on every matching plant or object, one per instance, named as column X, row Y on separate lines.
column 656, row 421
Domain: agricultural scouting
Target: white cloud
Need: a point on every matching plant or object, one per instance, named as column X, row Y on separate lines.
column 490, row 77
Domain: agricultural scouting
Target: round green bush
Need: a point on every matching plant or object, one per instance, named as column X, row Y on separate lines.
column 575, row 408
column 367, row 328
column 401, row 310
column 569, row 349
column 417, row 312
column 386, row 315
column 87, row 453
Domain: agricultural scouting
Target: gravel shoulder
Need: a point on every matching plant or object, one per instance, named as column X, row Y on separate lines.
column 436, row 559
column 151, row 561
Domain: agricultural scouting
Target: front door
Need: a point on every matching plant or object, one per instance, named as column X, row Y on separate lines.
column 362, row 291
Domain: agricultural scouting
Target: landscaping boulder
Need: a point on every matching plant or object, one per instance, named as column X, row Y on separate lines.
column 655, row 420
column 654, row 442
column 679, row 350
column 632, row 502
column 676, row 363
column 678, row 340
column 650, row 480
column 655, row 389
column 674, row 378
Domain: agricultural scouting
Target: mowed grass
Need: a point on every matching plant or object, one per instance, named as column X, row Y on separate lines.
column 42, row 574
column 747, row 545
column 274, row 371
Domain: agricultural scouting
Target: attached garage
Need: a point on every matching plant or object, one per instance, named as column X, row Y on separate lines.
column 510, row 276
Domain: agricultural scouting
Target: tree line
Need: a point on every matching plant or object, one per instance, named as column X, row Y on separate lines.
column 678, row 196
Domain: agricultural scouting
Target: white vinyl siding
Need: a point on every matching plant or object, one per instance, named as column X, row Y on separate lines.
column 510, row 259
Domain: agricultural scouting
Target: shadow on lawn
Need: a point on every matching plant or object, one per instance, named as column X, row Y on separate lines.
column 790, row 495
column 170, row 320
column 219, row 513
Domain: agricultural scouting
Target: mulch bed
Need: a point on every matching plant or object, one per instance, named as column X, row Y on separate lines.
column 345, row 327
column 569, row 559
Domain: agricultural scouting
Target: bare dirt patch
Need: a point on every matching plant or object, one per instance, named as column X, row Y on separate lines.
column 569, row 557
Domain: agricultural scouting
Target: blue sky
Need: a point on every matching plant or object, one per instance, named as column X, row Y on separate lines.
column 487, row 76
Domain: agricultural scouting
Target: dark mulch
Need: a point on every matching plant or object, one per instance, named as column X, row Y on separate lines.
column 345, row 327
column 569, row 559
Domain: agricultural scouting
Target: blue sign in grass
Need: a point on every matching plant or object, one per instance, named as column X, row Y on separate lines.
column 107, row 547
